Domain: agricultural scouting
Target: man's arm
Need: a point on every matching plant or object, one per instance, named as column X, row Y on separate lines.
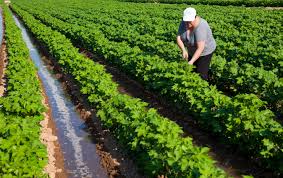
column 200, row 48
column 182, row 47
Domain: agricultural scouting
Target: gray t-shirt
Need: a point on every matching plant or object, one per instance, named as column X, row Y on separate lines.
column 201, row 33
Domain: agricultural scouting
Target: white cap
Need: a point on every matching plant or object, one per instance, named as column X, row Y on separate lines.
column 189, row 14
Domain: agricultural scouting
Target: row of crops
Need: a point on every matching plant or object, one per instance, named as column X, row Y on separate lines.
column 21, row 152
column 256, row 3
column 155, row 140
column 139, row 39
column 245, row 62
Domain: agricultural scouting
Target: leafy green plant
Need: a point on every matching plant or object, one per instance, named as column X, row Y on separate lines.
column 174, row 80
column 125, row 116
column 21, row 152
column 229, row 71
column 273, row 3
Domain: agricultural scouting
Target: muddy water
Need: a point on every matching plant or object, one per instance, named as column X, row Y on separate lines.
column 80, row 157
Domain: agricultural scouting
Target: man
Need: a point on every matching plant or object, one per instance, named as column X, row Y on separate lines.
column 195, row 34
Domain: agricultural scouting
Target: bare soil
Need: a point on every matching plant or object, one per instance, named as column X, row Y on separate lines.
column 3, row 64
column 55, row 166
column 3, row 61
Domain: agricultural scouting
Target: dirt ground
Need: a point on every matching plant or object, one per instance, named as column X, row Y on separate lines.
column 3, row 62
column 55, row 166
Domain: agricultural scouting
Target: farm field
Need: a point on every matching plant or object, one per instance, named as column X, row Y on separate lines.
column 257, row 3
column 241, row 106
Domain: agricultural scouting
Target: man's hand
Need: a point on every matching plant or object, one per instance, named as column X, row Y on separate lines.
column 191, row 62
column 185, row 55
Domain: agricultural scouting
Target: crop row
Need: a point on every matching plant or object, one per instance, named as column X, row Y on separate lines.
column 155, row 141
column 240, row 120
column 228, row 76
column 254, row 38
column 21, row 152
column 272, row 3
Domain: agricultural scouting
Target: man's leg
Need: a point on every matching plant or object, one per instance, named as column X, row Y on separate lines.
column 202, row 66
